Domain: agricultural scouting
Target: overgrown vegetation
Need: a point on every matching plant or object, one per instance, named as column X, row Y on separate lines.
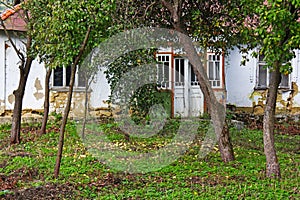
column 26, row 169
column 138, row 100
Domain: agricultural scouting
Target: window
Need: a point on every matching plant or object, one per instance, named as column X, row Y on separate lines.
column 62, row 76
column 179, row 71
column 194, row 79
column 214, row 70
column 263, row 76
column 163, row 71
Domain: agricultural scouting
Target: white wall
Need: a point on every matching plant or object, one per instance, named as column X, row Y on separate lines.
column 241, row 80
column 34, row 92
column 100, row 91
column 2, row 74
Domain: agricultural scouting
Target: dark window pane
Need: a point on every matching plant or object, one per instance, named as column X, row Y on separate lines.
column 261, row 58
column 211, row 71
column 182, row 67
column 177, row 68
column 262, row 76
column 284, row 81
column 159, row 58
column 58, row 76
column 68, row 75
column 217, row 71
column 160, row 73
column 193, row 75
column 166, row 73
column 81, row 79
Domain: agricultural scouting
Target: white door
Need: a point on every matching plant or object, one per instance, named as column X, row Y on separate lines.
column 195, row 95
column 188, row 98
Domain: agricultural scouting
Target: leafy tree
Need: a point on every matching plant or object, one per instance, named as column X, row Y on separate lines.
column 183, row 16
column 144, row 97
column 275, row 31
column 25, row 65
column 73, row 29
column 271, row 25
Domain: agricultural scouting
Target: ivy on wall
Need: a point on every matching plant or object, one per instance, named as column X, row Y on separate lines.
column 142, row 99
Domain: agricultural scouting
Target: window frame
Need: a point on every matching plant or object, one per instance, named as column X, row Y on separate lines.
column 220, row 61
column 64, row 86
column 164, row 79
column 262, row 63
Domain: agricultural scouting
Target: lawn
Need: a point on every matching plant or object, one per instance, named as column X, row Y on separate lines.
column 26, row 170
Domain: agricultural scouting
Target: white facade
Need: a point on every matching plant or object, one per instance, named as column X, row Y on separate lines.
column 242, row 84
column 187, row 100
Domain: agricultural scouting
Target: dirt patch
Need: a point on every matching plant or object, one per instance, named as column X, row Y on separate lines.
column 49, row 191
column 285, row 124
column 289, row 128
column 8, row 182
column 108, row 180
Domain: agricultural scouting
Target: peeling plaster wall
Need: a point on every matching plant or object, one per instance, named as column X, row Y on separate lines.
column 12, row 74
column 34, row 92
column 58, row 101
column 241, row 82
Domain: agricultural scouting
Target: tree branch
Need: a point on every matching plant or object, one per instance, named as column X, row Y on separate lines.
column 148, row 7
column 83, row 45
column 19, row 53
column 173, row 9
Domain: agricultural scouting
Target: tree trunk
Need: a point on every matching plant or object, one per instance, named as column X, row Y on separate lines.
column 216, row 110
column 19, row 94
column 272, row 164
column 225, row 145
column 86, row 106
column 46, row 103
column 64, row 122
column 68, row 106
column 16, row 119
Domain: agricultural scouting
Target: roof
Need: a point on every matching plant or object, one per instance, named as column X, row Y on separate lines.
column 13, row 19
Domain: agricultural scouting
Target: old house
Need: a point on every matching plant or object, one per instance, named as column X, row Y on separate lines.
column 247, row 85
column 241, row 86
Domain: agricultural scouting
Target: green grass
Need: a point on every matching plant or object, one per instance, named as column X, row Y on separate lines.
column 187, row 178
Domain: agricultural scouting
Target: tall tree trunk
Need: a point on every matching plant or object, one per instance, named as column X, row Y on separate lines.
column 64, row 122
column 68, row 106
column 16, row 119
column 86, row 105
column 24, row 68
column 19, row 94
column 46, row 103
column 225, row 145
column 216, row 110
column 272, row 164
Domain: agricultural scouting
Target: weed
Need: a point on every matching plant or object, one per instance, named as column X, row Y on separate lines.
column 187, row 178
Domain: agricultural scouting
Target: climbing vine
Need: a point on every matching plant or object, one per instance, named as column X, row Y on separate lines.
column 140, row 100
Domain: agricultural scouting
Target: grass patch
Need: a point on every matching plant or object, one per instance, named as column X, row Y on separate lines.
column 26, row 170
